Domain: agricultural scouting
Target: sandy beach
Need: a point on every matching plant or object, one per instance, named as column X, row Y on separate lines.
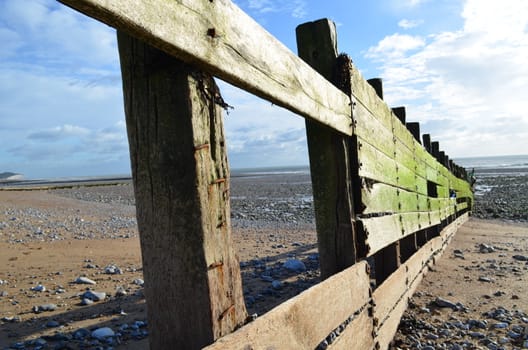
column 53, row 240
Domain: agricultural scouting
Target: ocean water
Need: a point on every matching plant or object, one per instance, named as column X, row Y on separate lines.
column 260, row 172
column 496, row 165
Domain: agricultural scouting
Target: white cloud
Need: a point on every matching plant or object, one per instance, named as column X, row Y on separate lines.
column 472, row 79
column 408, row 24
column 395, row 45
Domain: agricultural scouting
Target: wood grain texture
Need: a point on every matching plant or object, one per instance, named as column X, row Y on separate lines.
column 219, row 38
column 307, row 319
column 330, row 159
column 357, row 336
column 181, row 182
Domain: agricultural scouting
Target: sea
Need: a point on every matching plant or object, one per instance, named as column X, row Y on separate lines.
column 483, row 166
column 495, row 165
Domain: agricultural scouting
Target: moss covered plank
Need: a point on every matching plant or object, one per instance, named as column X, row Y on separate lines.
column 219, row 38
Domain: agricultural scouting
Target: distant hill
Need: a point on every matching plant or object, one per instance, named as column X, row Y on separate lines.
column 9, row 176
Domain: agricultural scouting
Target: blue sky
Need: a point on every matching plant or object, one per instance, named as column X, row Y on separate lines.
column 458, row 66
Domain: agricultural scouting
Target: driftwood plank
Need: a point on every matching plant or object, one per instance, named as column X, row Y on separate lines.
column 307, row 319
column 219, row 38
column 181, row 181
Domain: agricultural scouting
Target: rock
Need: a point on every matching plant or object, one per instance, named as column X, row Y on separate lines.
column 81, row 333
column 276, row 285
column 11, row 319
column 294, row 265
column 484, row 248
column 87, row 301
column 38, row 288
column 52, row 324
column 139, row 282
column 440, row 302
column 103, row 333
column 485, row 279
column 120, row 291
column 478, row 335
column 92, row 295
column 520, row 257
column 113, row 270
column 44, row 307
column 500, row 325
column 84, row 280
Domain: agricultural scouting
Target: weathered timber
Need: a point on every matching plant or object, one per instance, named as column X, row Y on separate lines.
column 414, row 128
column 400, row 113
column 377, row 84
column 330, row 160
column 385, row 230
column 212, row 35
column 381, row 198
column 358, row 335
column 387, row 261
column 307, row 319
column 181, row 186
column 375, row 165
column 435, row 149
column 367, row 101
column 426, row 138
column 408, row 246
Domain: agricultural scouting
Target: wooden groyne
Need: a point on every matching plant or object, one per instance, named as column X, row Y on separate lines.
column 387, row 201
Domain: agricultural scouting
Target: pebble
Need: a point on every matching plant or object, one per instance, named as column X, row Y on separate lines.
column 102, row 333
column 139, row 282
column 38, row 288
column 520, row 257
column 484, row 248
column 294, row 265
column 113, row 270
column 277, row 285
column 44, row 307
column 485, row 279
column 440, row 302
column 94, row 296
column 84, row 280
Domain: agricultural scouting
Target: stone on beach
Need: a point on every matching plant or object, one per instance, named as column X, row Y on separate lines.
column 84, row 280
column 102, row 333
column 294, row 265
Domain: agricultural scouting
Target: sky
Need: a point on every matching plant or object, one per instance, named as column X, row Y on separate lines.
column 460, row 68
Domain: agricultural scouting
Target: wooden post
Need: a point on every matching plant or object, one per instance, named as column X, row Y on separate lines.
column 427, row 142
column 330, row 160
column 377, row 84
column 435, row 149
column 414, row 129
column 181, row 182
column 401, row 113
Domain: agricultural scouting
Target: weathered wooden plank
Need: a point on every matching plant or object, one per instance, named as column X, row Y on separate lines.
column 385, row 230
column 330, row 159
column 367, row 101
column 307, row 319
column 366, row 125
column 403, row 135
column 358, row 335
column 382, row 198
column 387, row 294
column 212, row 35
column 181, row 181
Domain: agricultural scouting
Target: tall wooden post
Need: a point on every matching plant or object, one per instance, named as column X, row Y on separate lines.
column 181, row 182
column 329, row 160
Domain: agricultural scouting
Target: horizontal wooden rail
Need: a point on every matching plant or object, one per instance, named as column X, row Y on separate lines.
column 304, row 321
column 212, row 35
